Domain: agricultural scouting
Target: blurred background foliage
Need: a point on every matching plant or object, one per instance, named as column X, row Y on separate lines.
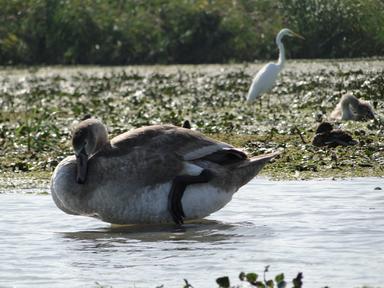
column 119, row 32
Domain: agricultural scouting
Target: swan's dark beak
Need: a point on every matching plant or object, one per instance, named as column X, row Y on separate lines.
column 81, row 160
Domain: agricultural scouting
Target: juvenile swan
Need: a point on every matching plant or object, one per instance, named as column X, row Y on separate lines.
column 154, row 174
column 351, row 108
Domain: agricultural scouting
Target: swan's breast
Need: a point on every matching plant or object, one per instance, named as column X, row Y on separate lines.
column 122, row 200
column 201, row 200
column 150, row 204
column 61, row 185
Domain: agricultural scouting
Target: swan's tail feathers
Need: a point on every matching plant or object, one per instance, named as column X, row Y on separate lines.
column 247, row 170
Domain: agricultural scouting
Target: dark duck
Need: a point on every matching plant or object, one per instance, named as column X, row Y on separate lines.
column 327, row 136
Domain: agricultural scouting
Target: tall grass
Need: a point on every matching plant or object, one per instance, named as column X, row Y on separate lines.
column 184, row 31
column 337, row 28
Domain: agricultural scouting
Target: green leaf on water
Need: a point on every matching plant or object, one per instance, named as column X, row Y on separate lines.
column 259, row 284
column 279, row 278
column 270, row 284
column 251, row 277
column 223, row 282
column 297, row 282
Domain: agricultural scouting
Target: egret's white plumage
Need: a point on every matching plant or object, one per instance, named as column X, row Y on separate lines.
column 266, row 77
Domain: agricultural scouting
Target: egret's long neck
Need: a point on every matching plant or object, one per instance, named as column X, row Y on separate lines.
column 280, row 45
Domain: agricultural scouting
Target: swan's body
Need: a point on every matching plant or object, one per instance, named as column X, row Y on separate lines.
column 128, row 180
column 266, row 77
column 351, row 108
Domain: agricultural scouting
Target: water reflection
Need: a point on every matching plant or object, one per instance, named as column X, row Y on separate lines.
column 198, row 231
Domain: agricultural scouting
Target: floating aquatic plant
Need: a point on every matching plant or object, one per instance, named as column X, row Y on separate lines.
column 38, row 107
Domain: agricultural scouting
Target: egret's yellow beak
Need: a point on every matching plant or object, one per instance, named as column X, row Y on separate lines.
column 297, row 35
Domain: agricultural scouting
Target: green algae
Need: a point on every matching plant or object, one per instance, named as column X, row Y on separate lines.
column 39, row 106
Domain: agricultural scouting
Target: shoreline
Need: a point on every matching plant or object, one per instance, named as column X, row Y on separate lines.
column 38, row 183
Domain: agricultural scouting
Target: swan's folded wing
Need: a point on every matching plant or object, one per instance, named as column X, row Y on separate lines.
column 188, row 144
column 156, row 154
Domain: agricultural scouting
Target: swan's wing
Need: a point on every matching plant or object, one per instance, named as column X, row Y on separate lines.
column 156, row 154
column 169, row 139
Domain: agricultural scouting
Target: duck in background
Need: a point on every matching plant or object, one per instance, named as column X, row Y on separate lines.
column 327, row 136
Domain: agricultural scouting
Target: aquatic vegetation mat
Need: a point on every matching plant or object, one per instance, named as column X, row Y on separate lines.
column 39, row 106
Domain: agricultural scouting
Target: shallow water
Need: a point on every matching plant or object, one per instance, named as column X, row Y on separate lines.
column 332, row 231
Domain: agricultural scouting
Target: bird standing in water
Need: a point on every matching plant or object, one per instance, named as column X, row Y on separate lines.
column 266, row 77
column 154, row 174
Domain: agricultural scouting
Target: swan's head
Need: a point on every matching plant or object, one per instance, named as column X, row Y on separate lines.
column 88, row 137
column 355, row 109
column 364, row 111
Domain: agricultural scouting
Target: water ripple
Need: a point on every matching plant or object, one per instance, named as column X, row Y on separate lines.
column 331, row 230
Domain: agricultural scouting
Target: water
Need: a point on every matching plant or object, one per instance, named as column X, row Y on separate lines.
column 332, row 231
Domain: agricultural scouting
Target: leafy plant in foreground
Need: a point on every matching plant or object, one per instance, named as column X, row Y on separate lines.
column 253, row 280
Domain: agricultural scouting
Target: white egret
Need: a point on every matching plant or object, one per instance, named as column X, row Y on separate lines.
column 266, row 77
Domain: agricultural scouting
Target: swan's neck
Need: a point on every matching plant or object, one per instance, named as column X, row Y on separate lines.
column 280, row 45
column 101, row 139
column 346, row 103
